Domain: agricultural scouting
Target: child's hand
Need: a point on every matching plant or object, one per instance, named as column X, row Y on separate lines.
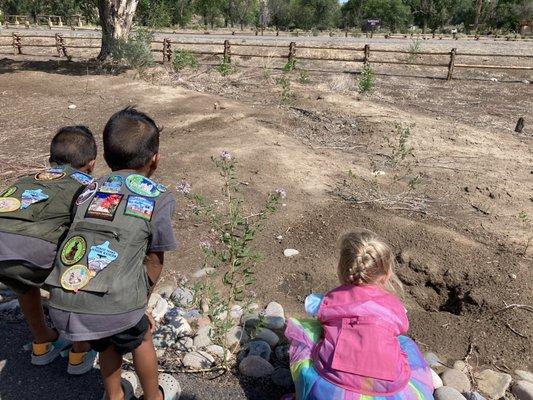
column 151, row 321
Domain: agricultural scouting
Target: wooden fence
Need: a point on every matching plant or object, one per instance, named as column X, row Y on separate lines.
column 228, row 50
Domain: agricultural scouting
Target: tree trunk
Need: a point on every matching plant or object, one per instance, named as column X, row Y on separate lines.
column 479, row 5
column 116, row 18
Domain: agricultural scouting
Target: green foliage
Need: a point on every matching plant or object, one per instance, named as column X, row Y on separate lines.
column 399, row 147
column 184, row 59
column 136, row 51
column 304, row 77
column 287, row 96
column 366, row 79
column 414, row 49
column 290, row 66
column 164, row 13
column 225, row 68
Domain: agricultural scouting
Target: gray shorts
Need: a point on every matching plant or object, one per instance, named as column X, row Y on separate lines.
column 20, row 276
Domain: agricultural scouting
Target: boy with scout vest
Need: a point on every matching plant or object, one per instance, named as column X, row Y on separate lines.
column 35, row 214
column 113, row 256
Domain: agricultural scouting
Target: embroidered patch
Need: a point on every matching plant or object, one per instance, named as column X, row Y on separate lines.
column 140, row 207
column 162, row 188
column 75, row 278
column 56, row 170
column 51, row 174
column 87, row 193
column 113, row 184
column 9, row 204
column 82, row 178
column 100, row 256
column 30, row 197
column 74, row 250
column 9, row 191
column 103, row 206
column 142, row 185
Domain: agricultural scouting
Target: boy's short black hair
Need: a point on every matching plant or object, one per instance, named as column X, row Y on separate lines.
column 74, row 145
column 131, row 139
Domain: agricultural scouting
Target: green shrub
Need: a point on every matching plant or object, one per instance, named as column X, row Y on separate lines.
column 290, row 66
column 414, row 49
column 366, row 80
column 287, row 96
column 225, row 67
column 136, row 52
column 304, row 77
column 184, row 59
column 315, row 32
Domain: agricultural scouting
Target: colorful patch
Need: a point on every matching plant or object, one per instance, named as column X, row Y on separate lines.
column 103, row 206
column 142, row 185
column 30, row 197
column 140, row 207
column 113, row 184
column 100, row 256
column 56, row 170
column 82, row 178
column 87, row 193
column 75, row 278
column 162, row 188
column 9, row 191
column 9, row 204
column 51, row 174
column 74, row 250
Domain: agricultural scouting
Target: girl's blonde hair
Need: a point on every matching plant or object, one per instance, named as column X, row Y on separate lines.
column 365, row 259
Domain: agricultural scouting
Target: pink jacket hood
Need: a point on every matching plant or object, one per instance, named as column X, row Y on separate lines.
column 360, row 350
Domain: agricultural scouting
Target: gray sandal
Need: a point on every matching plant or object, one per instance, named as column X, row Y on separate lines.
column 129, row 383
column 170, row 387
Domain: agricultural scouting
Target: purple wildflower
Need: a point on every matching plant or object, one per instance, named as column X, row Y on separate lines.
column 184, row 187
column 281, row 193
column 226, row 155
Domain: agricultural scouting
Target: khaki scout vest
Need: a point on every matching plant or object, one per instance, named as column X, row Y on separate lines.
column 99, row 268
column 47, row 219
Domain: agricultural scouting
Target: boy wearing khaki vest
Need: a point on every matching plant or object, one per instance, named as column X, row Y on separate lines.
column 123, row 227
column 35, row 213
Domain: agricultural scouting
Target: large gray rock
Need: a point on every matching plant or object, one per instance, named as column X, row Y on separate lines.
column 181, row 325
column 524, row 375
column 290, row 252
column 236, row 312
column 167, row 336
column 275, row 316
column 198, row 360
column 256, row 367
column 437, row 382
column 217, row 351
column 473, row 396
column 523, row 390
column 268, row 336
column 456, row 379
column 10, row 306
column 282, row 352
column 165, row 291
column 282, row 377
column 460, row 366
column 203, row 337
column 493, row 384
column 250, row 320
column 448, row 393
column 160, row 309
column 258, row 348
column 154, row 298
column 182, row 296
column 184, row 344
column 236, row 336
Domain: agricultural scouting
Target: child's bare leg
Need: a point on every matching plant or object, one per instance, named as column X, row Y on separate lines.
column 32, row 308
column 145, row 362
column 80, row 347
column 110, row 367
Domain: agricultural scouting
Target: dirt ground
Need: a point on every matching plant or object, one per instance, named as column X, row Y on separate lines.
column 455, row 228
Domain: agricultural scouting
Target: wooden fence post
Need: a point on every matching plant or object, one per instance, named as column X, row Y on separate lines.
column 292, row 53
column 58, row 44
column 367, row 54
column 451, row 64
column 17, row 44
column 227, row 52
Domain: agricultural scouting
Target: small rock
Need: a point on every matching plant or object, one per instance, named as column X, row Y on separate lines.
column 282, row 377
column 160, row 353
column 72, row 106
column 268, row 336
column 217, row 351
column 192, row 314
column 203, row 337
column 250, row 320
column 200, row 322
column 9, row 306
column 258, row 348
column 282, row 352
column 524, row 375
column 185, row 344
column 236, row 336
column 173, row 313
column 181, row 325
column 523, row 390
column 290, row 252
column 203, row 272
column 160, row 309
column 279, row 238
column 166, row 336
column 448, row 393
column 493, row 79
column 165, row 291
column 182, row 296
column 154, row 298
column 526, row 82
column 256, row 367
column 275, row 316
column 460, row 366
column 253, row 307
column 473, row 396
column 456, row 379
column 437, row 382
column 236, row 312
column 198, row 360
column 432, row 359
column 493, row 384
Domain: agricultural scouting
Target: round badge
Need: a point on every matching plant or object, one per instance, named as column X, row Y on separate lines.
column 162, row 188
column 49, row 175
column 142, row 185
column 9, row 204
column 75, row 278
column 74, row 250
column 87, row 193
column 9, row 191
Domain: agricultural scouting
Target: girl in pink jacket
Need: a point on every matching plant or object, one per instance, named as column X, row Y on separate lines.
column 355, row 349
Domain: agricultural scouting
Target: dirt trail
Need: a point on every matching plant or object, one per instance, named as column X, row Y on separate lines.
column 458, row 260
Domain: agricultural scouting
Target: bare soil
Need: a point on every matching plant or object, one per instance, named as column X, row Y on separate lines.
column 460, row 243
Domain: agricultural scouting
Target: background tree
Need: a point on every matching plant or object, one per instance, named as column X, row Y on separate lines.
column 116, row 19
column 352, row 13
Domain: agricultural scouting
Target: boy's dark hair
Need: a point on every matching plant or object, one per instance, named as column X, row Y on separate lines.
column 131, row 139
column 74, row 145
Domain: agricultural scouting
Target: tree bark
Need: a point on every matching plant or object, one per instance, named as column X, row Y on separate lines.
column 116, row 18
column 479, row 5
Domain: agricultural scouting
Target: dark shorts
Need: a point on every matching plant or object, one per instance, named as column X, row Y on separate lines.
column 124, row 342
column 21, row 276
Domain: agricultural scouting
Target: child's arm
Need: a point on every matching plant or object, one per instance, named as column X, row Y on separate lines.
column 153, row 264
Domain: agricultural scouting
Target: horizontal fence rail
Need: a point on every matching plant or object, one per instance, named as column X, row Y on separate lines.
column 292, row 53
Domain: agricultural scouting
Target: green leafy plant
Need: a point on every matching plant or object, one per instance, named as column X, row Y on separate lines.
column 287, row 96
column 229, row 250
column 304, row 77
column 225, row 68
column 290, row 66
column 414, row 50
column 184, row 59
column 366, row 79
column 399, row 146
column 136, row 52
